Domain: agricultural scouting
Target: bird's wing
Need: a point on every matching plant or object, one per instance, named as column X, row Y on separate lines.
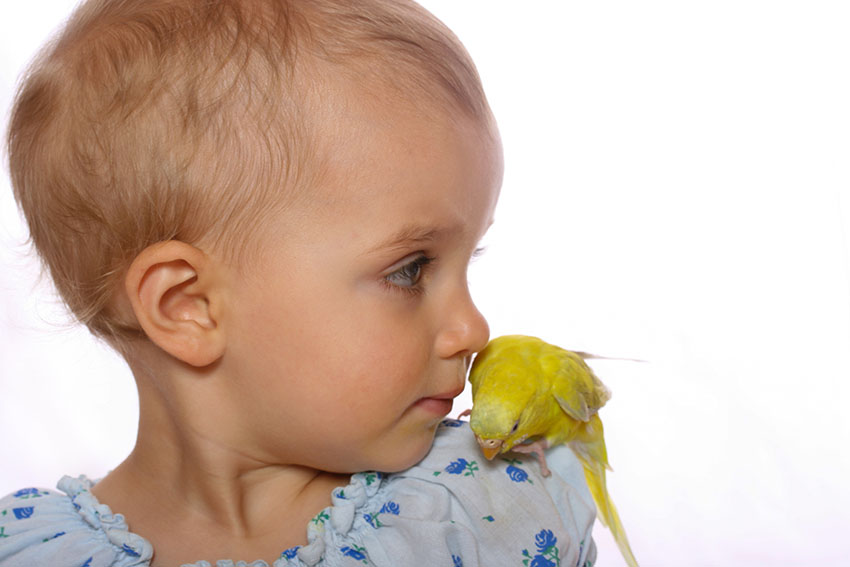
column 574, row 385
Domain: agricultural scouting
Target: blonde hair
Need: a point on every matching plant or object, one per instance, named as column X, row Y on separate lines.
column 150, row 120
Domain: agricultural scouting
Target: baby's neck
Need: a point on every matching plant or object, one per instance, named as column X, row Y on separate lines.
column 196, row 487
column 249, row 522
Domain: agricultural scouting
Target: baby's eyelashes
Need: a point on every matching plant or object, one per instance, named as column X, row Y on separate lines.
column 408, row 275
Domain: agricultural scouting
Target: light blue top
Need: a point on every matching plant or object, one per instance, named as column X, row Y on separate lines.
column 452, row 509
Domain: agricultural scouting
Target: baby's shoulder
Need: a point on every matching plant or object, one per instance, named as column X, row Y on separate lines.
column 66, row 528
column 455, row 507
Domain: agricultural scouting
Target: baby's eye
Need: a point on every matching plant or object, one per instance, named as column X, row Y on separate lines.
column 478, row 252
column 409, row 274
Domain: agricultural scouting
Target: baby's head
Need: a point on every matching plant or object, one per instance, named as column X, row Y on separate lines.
column 145, row 121
column 287, row 192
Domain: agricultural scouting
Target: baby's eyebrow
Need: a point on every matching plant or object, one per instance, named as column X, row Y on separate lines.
column 413, row 234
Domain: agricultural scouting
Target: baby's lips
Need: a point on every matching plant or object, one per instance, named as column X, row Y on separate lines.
column 450, row 394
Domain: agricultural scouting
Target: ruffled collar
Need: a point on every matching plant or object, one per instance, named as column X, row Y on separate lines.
column 346, row 503
column 100, row 517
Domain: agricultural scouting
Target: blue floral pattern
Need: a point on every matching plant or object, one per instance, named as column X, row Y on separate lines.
column 515, row 473
column 291, row 552
column 456, row 561
column 388, row 508
column 22, row 513
column 355, row 552
column 547, row 551
column 25, row 493
column 460, row 466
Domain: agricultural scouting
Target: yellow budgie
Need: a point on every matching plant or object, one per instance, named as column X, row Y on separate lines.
column 529, row 395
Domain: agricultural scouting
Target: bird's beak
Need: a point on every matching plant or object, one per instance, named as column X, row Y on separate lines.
column 490, row 447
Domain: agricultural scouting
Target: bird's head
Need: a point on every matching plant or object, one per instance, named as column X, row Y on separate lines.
column 496, row 431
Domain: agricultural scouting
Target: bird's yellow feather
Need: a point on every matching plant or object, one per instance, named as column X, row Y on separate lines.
column 525, row 390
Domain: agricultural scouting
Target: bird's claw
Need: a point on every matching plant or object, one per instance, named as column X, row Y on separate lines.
column 536, row 448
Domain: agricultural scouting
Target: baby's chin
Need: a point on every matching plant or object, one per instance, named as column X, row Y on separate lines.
column 390, row 458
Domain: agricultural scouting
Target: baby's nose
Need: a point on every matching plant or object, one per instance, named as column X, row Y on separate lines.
column 465, row 331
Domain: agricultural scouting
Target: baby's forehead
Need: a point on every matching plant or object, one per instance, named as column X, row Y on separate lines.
column 345, row 110
column 378, row 145
column 405, row 122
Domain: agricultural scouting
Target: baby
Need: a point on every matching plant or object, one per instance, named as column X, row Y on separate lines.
column 268, row 208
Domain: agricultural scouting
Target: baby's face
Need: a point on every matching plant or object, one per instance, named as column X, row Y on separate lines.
column 355, row 333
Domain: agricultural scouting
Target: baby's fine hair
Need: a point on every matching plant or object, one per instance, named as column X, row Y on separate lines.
column 150, row 120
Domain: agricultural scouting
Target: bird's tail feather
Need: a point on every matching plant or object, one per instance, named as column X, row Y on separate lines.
column 608, row 515
column 591, row 356
column 590, row 449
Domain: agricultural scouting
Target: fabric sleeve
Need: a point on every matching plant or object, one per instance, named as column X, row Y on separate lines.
column 43, row 527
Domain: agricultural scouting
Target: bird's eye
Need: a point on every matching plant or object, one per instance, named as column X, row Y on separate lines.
column 516, row 426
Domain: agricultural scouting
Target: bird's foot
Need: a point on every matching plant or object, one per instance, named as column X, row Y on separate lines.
column 536, row 448
column 464, row 413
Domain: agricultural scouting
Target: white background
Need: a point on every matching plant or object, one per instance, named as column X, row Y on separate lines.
column 676, row 190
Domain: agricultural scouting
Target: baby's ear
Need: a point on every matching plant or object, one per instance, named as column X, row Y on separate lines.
column 172, row 287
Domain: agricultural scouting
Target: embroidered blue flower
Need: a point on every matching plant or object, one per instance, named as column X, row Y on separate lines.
column 355, row 552
column 547, row 551
column 517, row 474
column 452, row 423
column 461, row 466
column 130, row 551
column 22, row 513
column 489, row 518
column 544, row 540
column 540, row 561
column 388, row 508
column 88, row 562
column 457, row 467
column 27, row 493
column 456, row 561
column 291, row 552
